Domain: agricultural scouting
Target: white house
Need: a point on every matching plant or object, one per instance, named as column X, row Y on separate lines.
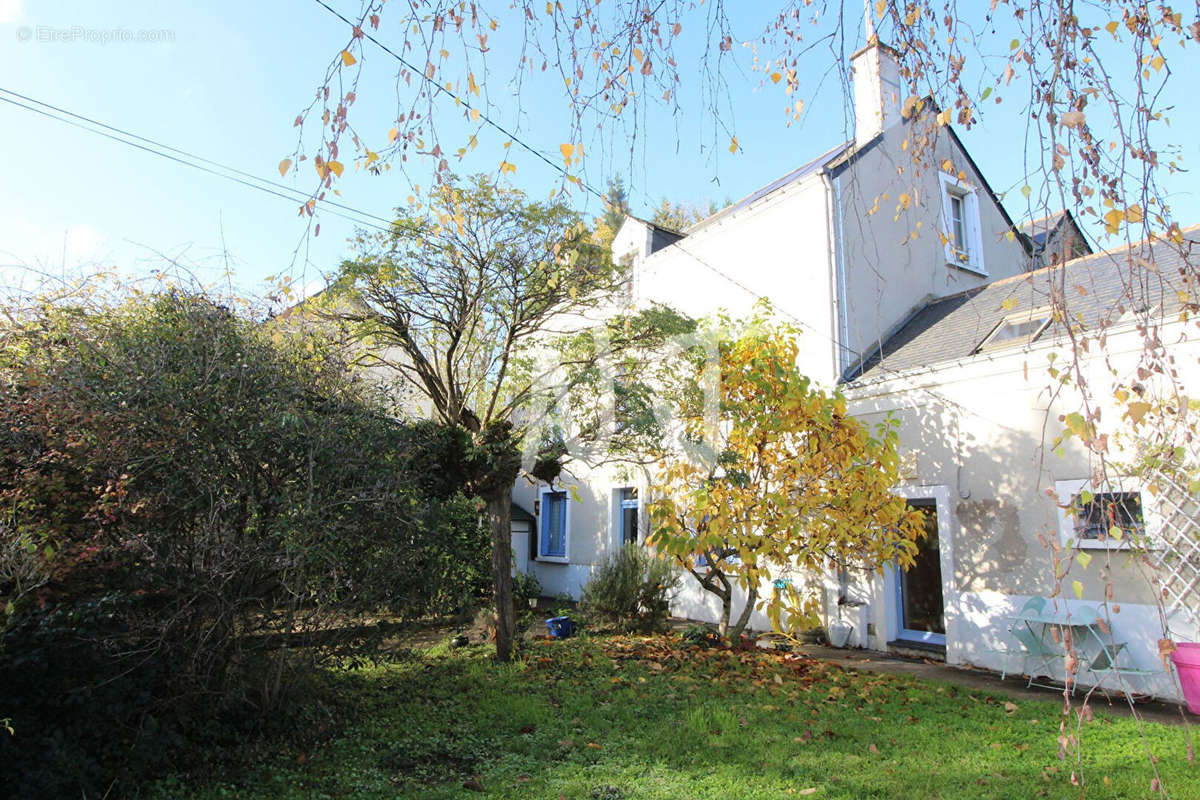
column 913, row 289
column 849, row 244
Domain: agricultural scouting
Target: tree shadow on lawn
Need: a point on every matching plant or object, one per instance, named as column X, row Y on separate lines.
column 625, row 717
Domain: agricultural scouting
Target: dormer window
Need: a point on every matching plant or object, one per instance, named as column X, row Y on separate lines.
column 1017, row 329
column 961, row 231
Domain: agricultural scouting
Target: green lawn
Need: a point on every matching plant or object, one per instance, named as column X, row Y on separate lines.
column 613, row 718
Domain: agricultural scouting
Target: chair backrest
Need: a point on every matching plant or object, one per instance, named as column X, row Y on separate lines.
column 1034, row 605
column 1030, row 642
column 1084, row 615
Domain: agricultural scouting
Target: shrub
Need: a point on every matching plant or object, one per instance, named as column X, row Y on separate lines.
column 702, row 636
column 526, row 587
column 198, row 502
column 633, row 589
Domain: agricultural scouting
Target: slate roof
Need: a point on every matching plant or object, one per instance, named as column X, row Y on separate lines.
column 797, row 174
column 952, row 328
column 661, row 237
column 521, row 515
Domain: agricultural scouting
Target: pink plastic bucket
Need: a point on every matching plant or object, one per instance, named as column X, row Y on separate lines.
column 1187, row 664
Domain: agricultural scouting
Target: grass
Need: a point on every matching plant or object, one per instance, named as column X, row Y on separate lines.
column 623, row 718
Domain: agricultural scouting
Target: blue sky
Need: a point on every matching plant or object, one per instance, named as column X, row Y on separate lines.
column 226, row 81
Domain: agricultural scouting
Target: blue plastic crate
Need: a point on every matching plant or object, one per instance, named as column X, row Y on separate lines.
column 561, row 627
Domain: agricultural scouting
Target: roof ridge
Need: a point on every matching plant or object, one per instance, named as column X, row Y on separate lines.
column 654, row 224
column 1095, row 256
column 1062, row 212
column 777, row 184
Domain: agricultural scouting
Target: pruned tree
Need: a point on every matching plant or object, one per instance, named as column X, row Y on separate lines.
column 478, row 300
column 783, row 481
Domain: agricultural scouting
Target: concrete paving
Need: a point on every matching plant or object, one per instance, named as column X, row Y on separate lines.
column 985, row 680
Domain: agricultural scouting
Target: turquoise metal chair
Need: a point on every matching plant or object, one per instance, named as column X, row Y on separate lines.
column 1108, row 653
column 1028, row 645
column 1034, row 605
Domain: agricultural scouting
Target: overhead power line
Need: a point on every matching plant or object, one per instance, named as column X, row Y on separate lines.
column 363, row 218
column 464, row 102
column 180, row 156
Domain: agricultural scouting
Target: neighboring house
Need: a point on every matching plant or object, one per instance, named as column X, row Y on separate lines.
column 913, row 290
column 1053, row 240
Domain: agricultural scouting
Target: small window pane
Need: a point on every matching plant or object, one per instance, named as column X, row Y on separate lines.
column 554, row 524
column 1016, row 330
column 1094, row 520
column 958, row 224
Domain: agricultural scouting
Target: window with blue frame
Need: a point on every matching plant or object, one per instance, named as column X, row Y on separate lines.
column 554, row 525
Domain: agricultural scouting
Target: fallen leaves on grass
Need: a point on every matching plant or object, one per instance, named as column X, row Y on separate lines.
column 660, row 655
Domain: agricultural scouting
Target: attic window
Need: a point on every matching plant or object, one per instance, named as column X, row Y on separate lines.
column 1017, row 329
column 960, row 225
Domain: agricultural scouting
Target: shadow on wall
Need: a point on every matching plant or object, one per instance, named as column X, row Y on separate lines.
column 998, row 504
column 1005, row 522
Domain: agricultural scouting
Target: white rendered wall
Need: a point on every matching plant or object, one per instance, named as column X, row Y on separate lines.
column 892, row 257
column 778, row 247
column 982, row 436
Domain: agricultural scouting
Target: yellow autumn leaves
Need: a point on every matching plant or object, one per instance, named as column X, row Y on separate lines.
column 791, row 480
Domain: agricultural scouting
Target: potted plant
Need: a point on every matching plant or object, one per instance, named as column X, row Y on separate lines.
column 1186, row 656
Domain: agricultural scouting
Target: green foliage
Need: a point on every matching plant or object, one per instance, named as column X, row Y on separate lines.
column 632, row 589
column 200, row 501
column 701, row 636
column 526, row 587
column 681, row 216
column 616, row 203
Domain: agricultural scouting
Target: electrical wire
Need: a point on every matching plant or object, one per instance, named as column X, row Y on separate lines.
column 460, row 100
column 207, row 165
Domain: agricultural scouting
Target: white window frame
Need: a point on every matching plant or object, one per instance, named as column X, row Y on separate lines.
column 618, row 517
column 1067, row 490
column 1016, row 318
column 940, row 494
column 973, row 262
column 542, row 511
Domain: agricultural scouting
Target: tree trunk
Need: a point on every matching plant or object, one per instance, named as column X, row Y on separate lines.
column 726, row 595
column 499, row 511
column 724, row 591
column 744, row 617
